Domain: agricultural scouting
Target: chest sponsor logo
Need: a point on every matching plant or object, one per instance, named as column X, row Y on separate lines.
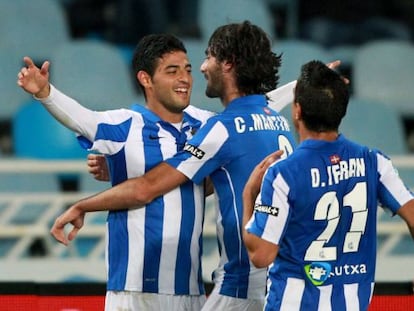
column 319, row 272
column 196, row 152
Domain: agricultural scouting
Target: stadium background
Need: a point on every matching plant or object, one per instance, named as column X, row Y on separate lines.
column 89, row 48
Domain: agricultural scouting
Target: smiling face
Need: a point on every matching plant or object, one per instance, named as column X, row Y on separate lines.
column 169, row 89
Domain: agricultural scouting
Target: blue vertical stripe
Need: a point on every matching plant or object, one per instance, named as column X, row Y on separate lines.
column 183, row 265
column 154, row 215
column 118, row 245
column 236, row 277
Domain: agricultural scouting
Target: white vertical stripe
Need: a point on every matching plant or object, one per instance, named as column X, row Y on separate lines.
column 292, row 295
column 351, row 297
column 134, row 155
column 219, row 272
column 325, row 298
column 170, row 239
column 136, row 225
column 171, row 223
column 276, row 225
column 372, row 291
column 195, row 247
column 136, row 218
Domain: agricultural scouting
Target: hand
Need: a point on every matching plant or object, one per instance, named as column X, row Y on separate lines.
column 74, row 216
column 255, row 180
column 253, row 184
column 98, row 167
column 34, row 80
column 334, row 65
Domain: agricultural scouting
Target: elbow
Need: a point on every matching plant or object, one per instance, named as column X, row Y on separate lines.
column 142, row 198
column 139, row 193
column 259, row 261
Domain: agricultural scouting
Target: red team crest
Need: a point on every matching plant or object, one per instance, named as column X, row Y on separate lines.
column 335, row 159
column 267, row 110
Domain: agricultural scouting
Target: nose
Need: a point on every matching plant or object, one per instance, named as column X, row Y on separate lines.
column 186, row 76
column 203, row 66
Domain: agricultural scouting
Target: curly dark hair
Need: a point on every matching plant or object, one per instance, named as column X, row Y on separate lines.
column 250, row 49
column 151, row 48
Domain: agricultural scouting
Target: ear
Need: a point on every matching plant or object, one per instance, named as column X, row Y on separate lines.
column 227, row 66
column 144, row 78
column 296, row 111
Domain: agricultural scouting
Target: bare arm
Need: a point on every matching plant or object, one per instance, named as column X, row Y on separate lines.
column 132, row 193
column 406, row 212
column 261, row 252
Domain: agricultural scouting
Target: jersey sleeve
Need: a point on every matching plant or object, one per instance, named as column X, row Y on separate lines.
column 200, row 114
column 281, row 97
column 392, row 192
column 104, row 132
column 271, row 209
column 70, row 113
column 204, row 153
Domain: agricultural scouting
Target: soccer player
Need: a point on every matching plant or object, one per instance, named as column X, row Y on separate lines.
column 240, row 68
column 153, row 254
column 314, row 221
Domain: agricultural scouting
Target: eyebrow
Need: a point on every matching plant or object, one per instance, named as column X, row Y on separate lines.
column 177, row 66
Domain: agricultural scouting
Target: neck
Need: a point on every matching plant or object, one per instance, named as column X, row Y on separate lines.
column 165, row 114
column 327, row 136
column 231, row 91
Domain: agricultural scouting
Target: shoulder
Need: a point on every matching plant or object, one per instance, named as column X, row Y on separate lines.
column 199, row 114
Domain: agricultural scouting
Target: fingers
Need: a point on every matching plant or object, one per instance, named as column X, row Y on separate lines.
column 58, row 233
column 333, row 65
column 72, row 234
column 28, row 61
column 44, row 70
column 97, row 167
column 271, row 158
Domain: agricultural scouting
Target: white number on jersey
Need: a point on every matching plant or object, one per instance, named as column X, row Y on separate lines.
column 327, row 208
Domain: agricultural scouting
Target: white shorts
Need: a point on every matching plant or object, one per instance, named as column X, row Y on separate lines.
column 217, row 302
column 133, row 301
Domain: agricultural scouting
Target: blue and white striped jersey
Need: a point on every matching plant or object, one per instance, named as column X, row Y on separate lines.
column 227, row 149
column 320, row 206
column 156, row 249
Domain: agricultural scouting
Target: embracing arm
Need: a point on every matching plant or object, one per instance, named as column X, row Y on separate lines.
column 261, row 252
column 132, row 193
column 136, row 191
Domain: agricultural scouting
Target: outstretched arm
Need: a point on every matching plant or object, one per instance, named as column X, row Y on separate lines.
column 132, row 193
column 63, row 108
column 282, row 96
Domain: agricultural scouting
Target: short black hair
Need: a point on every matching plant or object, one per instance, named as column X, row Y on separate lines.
column 151, row 48
column 323, row 96
column 250, row 49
